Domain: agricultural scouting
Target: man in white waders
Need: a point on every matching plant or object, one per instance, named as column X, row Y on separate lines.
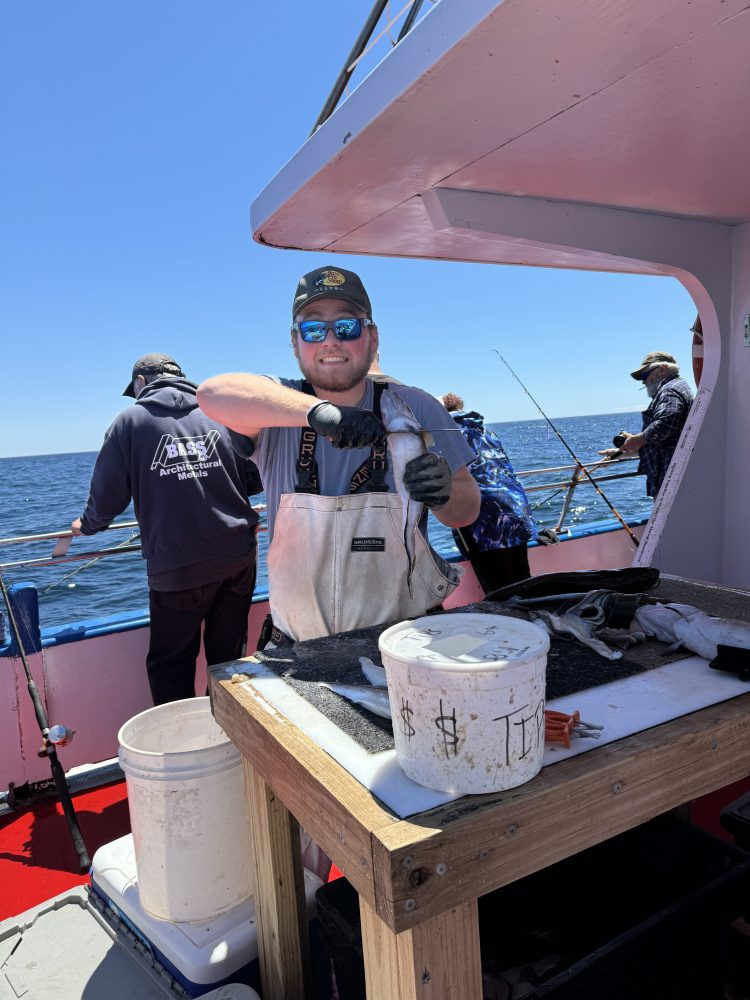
column 336, row 560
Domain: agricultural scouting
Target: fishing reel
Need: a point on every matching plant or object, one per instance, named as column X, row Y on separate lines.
column 57, row 736
column 60, row 736
column 619, row 439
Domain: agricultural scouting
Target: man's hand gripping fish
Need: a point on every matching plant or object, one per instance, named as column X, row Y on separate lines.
column 406, row 440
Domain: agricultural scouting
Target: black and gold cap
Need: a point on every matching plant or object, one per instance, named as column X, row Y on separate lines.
column 331, row 283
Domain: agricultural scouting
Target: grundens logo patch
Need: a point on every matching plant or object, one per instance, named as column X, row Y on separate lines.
column 368, row 544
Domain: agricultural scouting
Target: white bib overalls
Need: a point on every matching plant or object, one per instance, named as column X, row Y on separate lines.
column 339, row 563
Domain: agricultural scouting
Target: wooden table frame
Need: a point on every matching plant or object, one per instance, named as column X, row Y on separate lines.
column 419, row 878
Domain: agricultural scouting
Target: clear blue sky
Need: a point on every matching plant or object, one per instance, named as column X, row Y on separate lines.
column 135, row 136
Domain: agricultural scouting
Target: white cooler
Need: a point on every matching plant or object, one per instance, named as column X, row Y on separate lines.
column 202, row 956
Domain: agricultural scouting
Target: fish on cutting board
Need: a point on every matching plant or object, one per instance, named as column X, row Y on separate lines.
column 374, row 699
column 374, row 674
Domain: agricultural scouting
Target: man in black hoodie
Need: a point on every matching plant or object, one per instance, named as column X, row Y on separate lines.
column 190, row 494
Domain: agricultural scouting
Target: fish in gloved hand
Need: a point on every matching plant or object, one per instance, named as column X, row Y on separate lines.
column 422, row 478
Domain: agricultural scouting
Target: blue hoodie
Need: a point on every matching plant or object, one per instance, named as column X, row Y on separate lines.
column 189, row 488
column 505, row 518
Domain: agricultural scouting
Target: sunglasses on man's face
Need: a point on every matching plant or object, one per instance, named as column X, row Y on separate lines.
column 315, row 331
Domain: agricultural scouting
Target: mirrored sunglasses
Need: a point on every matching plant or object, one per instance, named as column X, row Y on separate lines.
column 315, row 331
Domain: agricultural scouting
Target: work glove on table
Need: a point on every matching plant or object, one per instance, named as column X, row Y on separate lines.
column 345, row 426
column 429, row 480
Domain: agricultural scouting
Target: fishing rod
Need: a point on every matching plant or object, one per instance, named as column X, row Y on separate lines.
column 550, row 497
column 50, row 739
column 570, row 451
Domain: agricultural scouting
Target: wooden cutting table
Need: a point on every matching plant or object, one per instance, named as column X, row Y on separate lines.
column 419, row 878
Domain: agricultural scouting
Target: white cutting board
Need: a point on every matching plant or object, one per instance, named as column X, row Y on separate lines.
column 623, row 707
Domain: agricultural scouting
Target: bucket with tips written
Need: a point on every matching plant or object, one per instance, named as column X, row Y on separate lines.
column 467, row 698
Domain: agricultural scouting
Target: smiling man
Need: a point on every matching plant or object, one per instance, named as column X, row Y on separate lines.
column 336, row 559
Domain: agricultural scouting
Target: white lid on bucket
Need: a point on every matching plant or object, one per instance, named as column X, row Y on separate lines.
column 465, row 641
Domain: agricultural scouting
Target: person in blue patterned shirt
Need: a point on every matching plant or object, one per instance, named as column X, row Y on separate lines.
column 496, row 543
column 663, row 419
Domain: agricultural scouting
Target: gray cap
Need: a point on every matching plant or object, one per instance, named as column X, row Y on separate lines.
column 152, row 364
column 652, row 359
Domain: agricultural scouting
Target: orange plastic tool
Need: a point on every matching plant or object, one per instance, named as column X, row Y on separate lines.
column 559, row 727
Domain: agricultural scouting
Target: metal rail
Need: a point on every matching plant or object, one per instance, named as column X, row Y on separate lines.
column 65, row 537
column 57, row 560
column 571, row 468
column 575, row 480
column 562, row 484
column 49, row 535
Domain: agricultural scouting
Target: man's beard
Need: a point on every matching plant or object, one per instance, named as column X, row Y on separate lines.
column 336, row 378
column 651, row 388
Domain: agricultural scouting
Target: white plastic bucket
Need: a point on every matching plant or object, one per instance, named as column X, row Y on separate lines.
column 467, row 697
column 188, row 813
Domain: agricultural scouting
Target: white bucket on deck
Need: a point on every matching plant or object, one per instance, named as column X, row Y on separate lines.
column 188, row 812
column 467, row 697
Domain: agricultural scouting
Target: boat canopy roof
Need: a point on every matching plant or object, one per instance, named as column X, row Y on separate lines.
column 625, row 104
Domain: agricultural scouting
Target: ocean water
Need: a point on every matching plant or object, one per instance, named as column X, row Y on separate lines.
column 44, row 493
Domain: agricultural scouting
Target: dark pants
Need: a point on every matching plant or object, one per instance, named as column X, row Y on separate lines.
column 176, row 619
column 497, row 568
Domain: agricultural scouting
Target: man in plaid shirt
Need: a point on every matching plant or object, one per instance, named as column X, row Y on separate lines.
column 663, row 420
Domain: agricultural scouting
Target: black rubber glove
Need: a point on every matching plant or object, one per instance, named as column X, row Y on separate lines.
column 428, row 479
column 345, row 426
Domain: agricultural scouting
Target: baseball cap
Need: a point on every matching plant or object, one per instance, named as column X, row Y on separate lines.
column 331, row 283
column 152, row 364
column 651, row 359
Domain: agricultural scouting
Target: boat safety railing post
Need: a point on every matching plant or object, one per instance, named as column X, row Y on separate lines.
column 48, row 748
column 568, row 498
column 343, row 78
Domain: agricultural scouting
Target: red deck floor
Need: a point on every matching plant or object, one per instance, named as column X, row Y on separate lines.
column 37, row 857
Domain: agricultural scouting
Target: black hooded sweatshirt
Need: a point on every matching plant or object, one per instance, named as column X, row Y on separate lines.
column 189, row 488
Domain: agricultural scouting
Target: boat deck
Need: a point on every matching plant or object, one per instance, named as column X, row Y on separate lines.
column 37, row 857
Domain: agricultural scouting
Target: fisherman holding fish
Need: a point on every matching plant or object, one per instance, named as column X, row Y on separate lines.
column 350, row 467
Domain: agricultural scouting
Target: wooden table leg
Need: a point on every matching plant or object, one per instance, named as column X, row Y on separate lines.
column 280, row 909
column 436, row 960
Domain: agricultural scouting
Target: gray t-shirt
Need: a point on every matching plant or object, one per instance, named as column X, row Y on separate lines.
column 277, row 449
